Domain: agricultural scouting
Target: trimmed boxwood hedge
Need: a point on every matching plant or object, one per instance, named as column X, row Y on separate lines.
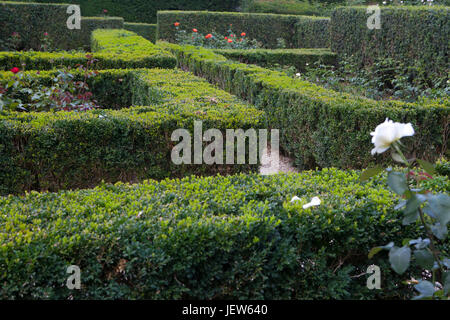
column 145, row 10
column 313, row 32
column 31, row 20
column 234, row 237
column 281, row 7
column 114, row 49
column 418, row 34
column 321, row 127
column 148, row 31
column 266, row 28
column 61, row 150
column 299, row 58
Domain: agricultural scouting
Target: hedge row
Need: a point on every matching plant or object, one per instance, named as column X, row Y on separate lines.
column 313, row 33
column 266, row 28
column 417, row 34
column 63, row 150
column 235, row 237
column 299, row 58
column 122, row 49
column 281, row 7
column 144, row 10
column 148, row 31
column 321, row 127
column 32, row 20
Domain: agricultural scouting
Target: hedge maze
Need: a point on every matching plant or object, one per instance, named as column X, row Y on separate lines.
column 98, row 188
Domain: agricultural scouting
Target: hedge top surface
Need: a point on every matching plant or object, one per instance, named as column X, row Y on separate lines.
column 280, row 81
column 122, row 42
column 163, row 95
column 65, row 217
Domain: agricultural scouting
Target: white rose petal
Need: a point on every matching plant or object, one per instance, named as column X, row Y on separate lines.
column 295, row 198
column 314, row 202
column 389, row 132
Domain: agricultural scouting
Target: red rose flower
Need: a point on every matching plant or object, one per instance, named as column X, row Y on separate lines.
column 230, row 41
column 243, row 34
column 226, row 38
column 208, row 36
column 176, row 24
column 15, row 70
column 105, row 11
column 195, row 30
column 46, row 34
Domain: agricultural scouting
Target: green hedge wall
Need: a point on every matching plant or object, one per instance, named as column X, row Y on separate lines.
column 115, row 49
column 313, row 33
column 235, row 237
column 145, row 10
column 148, row 31
column 297, row 31
column 281, row 7
column 62, row 150
column 411, row 34
column 31, row 20
column 299, row 58
column 266, row 28
column 321, row 127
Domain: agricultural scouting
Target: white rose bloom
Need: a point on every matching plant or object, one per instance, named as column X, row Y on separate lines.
column 314, row 202
column 389, row 132
column 295, row 198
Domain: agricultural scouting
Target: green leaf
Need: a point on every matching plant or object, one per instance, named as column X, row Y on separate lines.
column 400, row 259
column 398, row 158
column 369, row 173
column 428, row 167
column 425, row 288
column 397, row 182
column 439, row 231
column 440, row 206
column 411, row 211
column 424, row 258
column 375, row 250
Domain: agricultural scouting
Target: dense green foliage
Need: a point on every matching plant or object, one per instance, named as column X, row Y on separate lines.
column 114, row 49
column 32, row 20
column 320, row 127
column 296, row 7
column 61, row 150
column 144, row 10
column 266, row 28
column 409, row 34
column 298, row 58
column 313, row 32
column 235, row 237
column 148, row 31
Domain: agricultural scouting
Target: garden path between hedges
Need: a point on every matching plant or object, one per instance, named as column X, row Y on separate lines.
column 286, row 164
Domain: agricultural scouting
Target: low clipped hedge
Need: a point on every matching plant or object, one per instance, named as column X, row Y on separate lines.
column 89, row 24
column 148, row 31
column 313, row 33
column 62, row 150
column 113, row 49
column 31, row 20
column 299, row 58
column 418, row 34
column 234, row 237
column 321, row 127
